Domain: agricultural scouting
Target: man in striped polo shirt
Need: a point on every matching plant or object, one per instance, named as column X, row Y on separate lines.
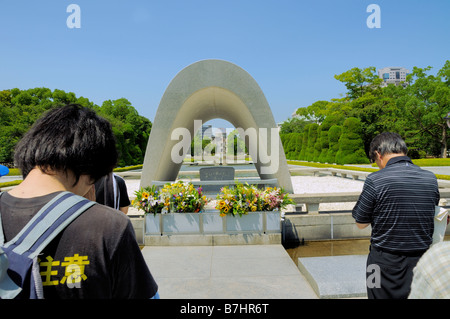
column 398, row 201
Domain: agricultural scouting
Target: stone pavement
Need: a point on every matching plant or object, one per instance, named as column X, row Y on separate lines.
column 228, row 272
column 336, row 276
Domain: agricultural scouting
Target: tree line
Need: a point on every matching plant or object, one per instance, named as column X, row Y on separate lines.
column 19, row 109
column 340, row 130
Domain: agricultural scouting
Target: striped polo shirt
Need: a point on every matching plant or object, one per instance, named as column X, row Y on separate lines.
column 399, row 202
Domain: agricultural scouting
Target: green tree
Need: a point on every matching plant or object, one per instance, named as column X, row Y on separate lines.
column 204, row 142
column 360, row 81
column 130, row 129
column 19, row 109
column 293, row 125
column 428, row 103
column 235, row 144
column 351, row 146
column 315, row 113
column 417, row 111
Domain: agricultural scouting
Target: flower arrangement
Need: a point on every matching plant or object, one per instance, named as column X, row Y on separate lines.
column 184, row 197
column 176, row 197
column 243, row 199
column 149, row 200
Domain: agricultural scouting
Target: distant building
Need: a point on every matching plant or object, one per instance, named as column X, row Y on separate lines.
column 205, row 132
column 393, row 75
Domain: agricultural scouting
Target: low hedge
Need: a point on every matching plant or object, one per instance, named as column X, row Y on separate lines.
column 424, row 162
column 320, row 165
column 9, row 184
column 128, row 168
column 355, row 168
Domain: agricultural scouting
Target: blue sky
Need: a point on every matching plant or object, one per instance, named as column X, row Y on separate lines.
column 292, row 48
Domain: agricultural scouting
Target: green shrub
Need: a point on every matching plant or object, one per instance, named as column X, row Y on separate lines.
column 312, row 138
column 423, row 162
column 321, row 165
column 351, row 145
column 317, row 145
column 324, row 144
column 291, row 144
column 14, row 172
column 304, row 135
column 323, row 136
column 9, row 184
column 432, row 162
column 334, row 133
column 127, row 168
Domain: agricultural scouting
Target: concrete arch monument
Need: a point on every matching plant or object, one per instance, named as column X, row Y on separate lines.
column 204, row 91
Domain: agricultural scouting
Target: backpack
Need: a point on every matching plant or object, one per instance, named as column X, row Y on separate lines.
column 19, row 268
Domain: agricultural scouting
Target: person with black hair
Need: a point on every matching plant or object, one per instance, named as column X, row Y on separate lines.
column 69, row 149
column 111, row 190
column 399, row 202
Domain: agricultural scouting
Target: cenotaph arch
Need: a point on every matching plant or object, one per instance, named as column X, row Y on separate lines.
column 207, row 90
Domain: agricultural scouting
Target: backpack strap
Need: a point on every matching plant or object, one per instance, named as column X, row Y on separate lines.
column 2, row 237
column 48, row 223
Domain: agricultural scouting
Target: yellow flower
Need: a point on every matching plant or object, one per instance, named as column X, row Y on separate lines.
column 253, row 208
column 145, row 195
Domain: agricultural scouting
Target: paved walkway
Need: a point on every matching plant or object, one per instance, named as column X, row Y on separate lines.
column 336, row 276
column 230, row 272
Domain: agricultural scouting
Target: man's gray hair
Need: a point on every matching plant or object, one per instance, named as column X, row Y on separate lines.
column 387, row 143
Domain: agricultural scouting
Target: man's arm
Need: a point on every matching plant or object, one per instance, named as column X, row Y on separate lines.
column 362, row 226
column 363, row 210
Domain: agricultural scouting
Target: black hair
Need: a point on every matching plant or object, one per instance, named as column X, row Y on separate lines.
column 66, row 138
column 387, row 143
